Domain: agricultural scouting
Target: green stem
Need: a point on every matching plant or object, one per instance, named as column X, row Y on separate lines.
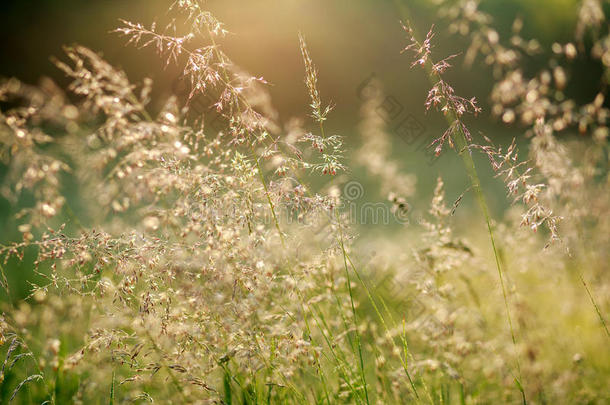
column 351, row 297
column 462, row 144
column 597, row 309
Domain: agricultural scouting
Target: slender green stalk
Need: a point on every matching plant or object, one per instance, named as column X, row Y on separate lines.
column 403, row 337
column 351, row 297
column 470, row 166
column 341, row 361
column 4, row 283
column 112, row 392
column 593, row 301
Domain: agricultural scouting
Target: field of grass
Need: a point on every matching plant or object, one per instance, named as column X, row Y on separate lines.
column 199, row 249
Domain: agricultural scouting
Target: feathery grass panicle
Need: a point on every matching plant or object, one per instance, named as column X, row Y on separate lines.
column 319, row 113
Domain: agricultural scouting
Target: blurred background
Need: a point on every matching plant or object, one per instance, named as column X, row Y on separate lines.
column 349, row 40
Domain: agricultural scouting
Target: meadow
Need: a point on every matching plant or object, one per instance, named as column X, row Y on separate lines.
column 200, row 248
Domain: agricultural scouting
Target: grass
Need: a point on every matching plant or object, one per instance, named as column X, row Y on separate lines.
column 223, row 265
